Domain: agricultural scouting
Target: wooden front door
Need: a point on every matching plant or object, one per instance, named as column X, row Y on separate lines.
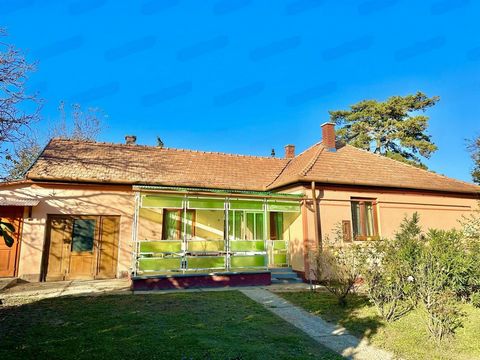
column 9, row 255
column 82, row 247
column 107, row 262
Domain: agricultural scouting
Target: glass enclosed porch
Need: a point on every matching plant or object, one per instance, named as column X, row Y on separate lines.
column 181, row 234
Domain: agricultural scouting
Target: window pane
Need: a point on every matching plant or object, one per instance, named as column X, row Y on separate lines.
column 279, row 224
column 276, row 226
column 83, row 235
column 189, row 225
column 238, row 225
column 231, row 230
column 235, row 224
column 206, row 204
column 286, row 206
column 250, row 228
column 259, row 226
column 357, row 228
column 246, row 204
column 209, row 224
column 369, row 218
column 155, row 201
column 172, row 225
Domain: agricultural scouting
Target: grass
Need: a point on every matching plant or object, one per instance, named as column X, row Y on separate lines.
column 406, row 337
column 210, row 325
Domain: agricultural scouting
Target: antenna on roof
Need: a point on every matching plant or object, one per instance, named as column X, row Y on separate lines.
column 159, row 142
column 273, row 153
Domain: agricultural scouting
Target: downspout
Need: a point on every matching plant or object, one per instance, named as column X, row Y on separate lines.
column 135, row 244
column 316, row 214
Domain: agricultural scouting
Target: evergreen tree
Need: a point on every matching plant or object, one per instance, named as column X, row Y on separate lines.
column 474, row 148
column 396, row 128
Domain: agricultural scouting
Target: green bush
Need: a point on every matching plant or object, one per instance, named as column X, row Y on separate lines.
column 338, row 266
column 443, row 315
column 429, row 270
column 440, row 275
column 455, row 259
column 388, row 276
column 475, row 299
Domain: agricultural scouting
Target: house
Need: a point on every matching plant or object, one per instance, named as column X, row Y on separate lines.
column 90, row 210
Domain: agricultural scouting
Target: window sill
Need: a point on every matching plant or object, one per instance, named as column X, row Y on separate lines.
column 367, row 238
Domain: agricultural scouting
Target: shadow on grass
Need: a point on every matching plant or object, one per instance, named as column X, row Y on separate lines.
column 210, row 325
column 357, row 316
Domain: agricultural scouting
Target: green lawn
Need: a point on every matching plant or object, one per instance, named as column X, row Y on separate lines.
column 406, row 337
column 209, row 325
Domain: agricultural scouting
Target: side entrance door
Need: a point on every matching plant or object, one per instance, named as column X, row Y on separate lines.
column 9, row 255
column 81, row 247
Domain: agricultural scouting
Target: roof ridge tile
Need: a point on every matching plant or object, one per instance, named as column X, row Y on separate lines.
column 430, row 172
column 106, row 143
column 312, row 162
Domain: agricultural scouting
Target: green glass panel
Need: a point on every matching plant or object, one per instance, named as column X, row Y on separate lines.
column 247, row 261
column 200, row 262
column 250, row 229
column 83, row 235
column 259, row 235
column 162, row 202
column 245, row 245
column 279, row 225
column 238, row 225
column 206, row 245
column 172, row 224
column 283, row 206
column 279, row 259
column 159, row 264
column 279, row 245
column 189, row 224
column 161, row 246
column 213, row 204
column 246, row 205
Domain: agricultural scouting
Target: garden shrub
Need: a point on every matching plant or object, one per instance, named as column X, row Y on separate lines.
column 389, row 280
column 440, row 275
column 338, row 266
column 475, row 299
column 432, row 271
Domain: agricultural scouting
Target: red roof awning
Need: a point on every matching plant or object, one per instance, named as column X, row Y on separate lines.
column 18, row 202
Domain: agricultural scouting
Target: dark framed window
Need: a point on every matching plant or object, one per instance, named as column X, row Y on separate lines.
column 83, row 235
column 364, row 219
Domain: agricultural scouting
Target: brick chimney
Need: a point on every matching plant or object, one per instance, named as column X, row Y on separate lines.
column 289, row 151
column 328, row 136
column 130, row 139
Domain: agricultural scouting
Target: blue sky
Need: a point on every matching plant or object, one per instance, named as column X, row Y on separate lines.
column 246, row 76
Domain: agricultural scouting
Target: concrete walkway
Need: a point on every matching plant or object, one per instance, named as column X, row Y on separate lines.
column 332, row 336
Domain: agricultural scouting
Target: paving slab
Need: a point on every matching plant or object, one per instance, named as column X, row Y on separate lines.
column 333, row 336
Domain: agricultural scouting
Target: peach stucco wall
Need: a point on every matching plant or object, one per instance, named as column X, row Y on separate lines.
column 436, row 211
column 74, row 200
column 439, row 211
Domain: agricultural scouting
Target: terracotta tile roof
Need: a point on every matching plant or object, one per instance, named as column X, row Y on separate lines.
column 80, row 161
column 18, row 202
column 352, row 166
column 67, row 160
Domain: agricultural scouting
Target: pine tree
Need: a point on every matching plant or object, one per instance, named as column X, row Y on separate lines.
column 474, row 148
column 396, row 128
